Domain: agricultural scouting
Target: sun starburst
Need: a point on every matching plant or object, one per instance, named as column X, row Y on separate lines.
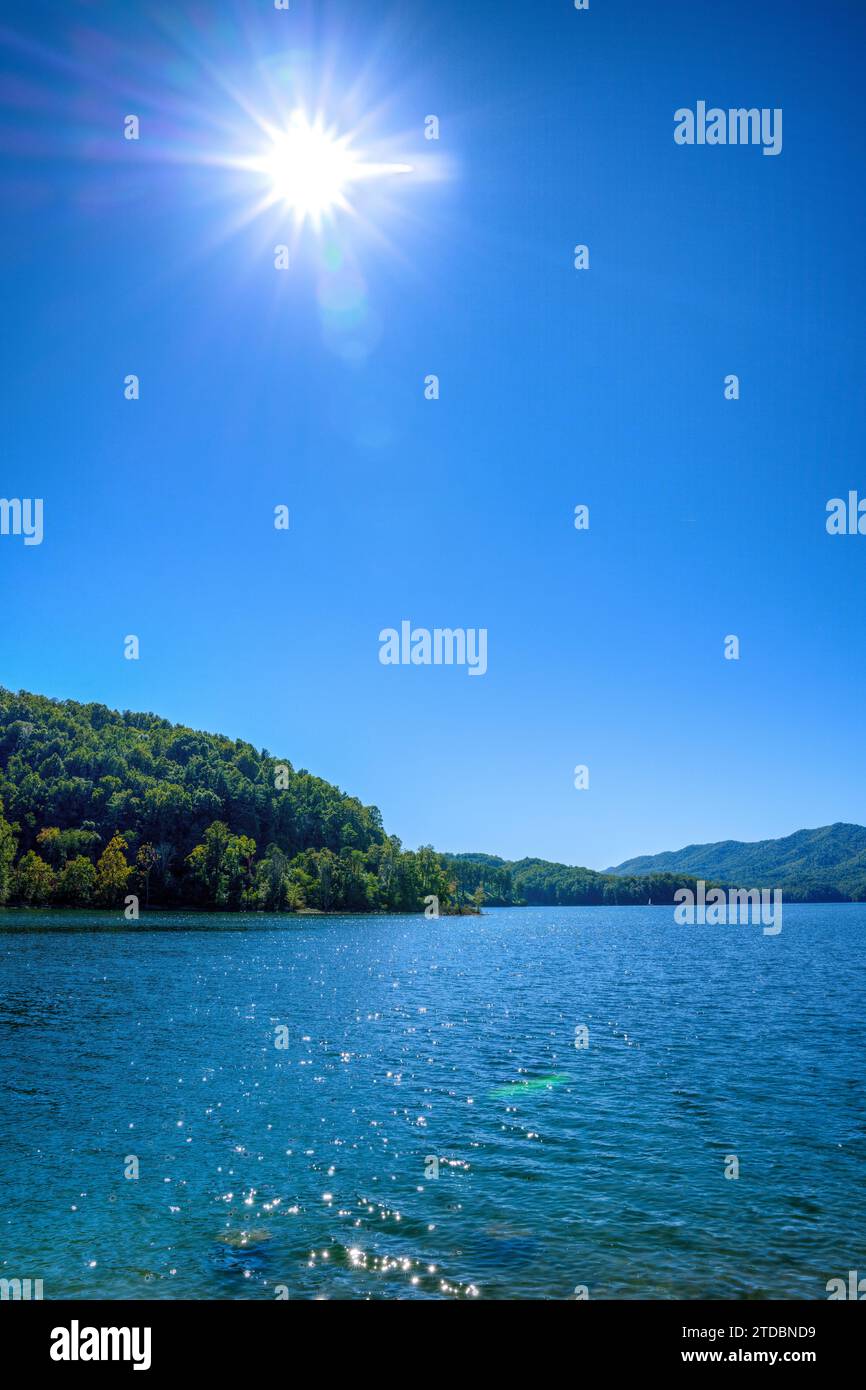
column 310, row 169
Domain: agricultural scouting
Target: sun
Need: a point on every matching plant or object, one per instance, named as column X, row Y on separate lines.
column 310, row 169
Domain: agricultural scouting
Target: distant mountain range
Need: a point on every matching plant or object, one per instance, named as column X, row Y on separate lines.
column 824, row 864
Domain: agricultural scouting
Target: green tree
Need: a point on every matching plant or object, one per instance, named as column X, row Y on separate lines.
column 294, row 897
column 33, row 880
column 221, row 868
column 145, row 862
column 272, row 880
column 58, row 845
column 240, row 856
column 77, row 882
column 8, row 845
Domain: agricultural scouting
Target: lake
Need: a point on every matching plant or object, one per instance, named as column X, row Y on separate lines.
column 427, row 1127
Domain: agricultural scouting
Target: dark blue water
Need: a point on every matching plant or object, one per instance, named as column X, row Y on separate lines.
column 306, row 1170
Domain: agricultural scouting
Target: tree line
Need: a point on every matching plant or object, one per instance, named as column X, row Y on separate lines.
column 538, row 882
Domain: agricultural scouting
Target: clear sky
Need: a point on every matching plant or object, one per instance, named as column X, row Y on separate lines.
column 558, row 387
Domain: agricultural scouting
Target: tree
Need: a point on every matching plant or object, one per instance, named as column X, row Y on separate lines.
column 34, row 880
column 145, row 861
column 432, row 877
column 49, row 841
column 221, row 868
column 59, row 845
column 77, row 882
column 272, row 880
column 240, row 853
column 112, row 872
column 8, row 845
column 206, row 866
column 294, row 897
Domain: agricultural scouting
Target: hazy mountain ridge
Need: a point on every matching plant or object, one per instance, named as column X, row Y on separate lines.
column 830, row 858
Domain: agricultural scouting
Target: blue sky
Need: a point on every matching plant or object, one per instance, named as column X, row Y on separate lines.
column 558, row 387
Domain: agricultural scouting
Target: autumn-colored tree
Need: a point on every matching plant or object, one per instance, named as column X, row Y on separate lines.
column 112, row 872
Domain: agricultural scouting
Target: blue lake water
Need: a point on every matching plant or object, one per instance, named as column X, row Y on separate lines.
column 306, row 1169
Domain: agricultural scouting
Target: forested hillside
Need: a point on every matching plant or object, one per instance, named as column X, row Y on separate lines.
column 539, row 882
column 823, row 865
column 95, row 804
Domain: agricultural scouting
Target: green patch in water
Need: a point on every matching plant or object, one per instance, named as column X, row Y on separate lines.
column 522, row 1088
